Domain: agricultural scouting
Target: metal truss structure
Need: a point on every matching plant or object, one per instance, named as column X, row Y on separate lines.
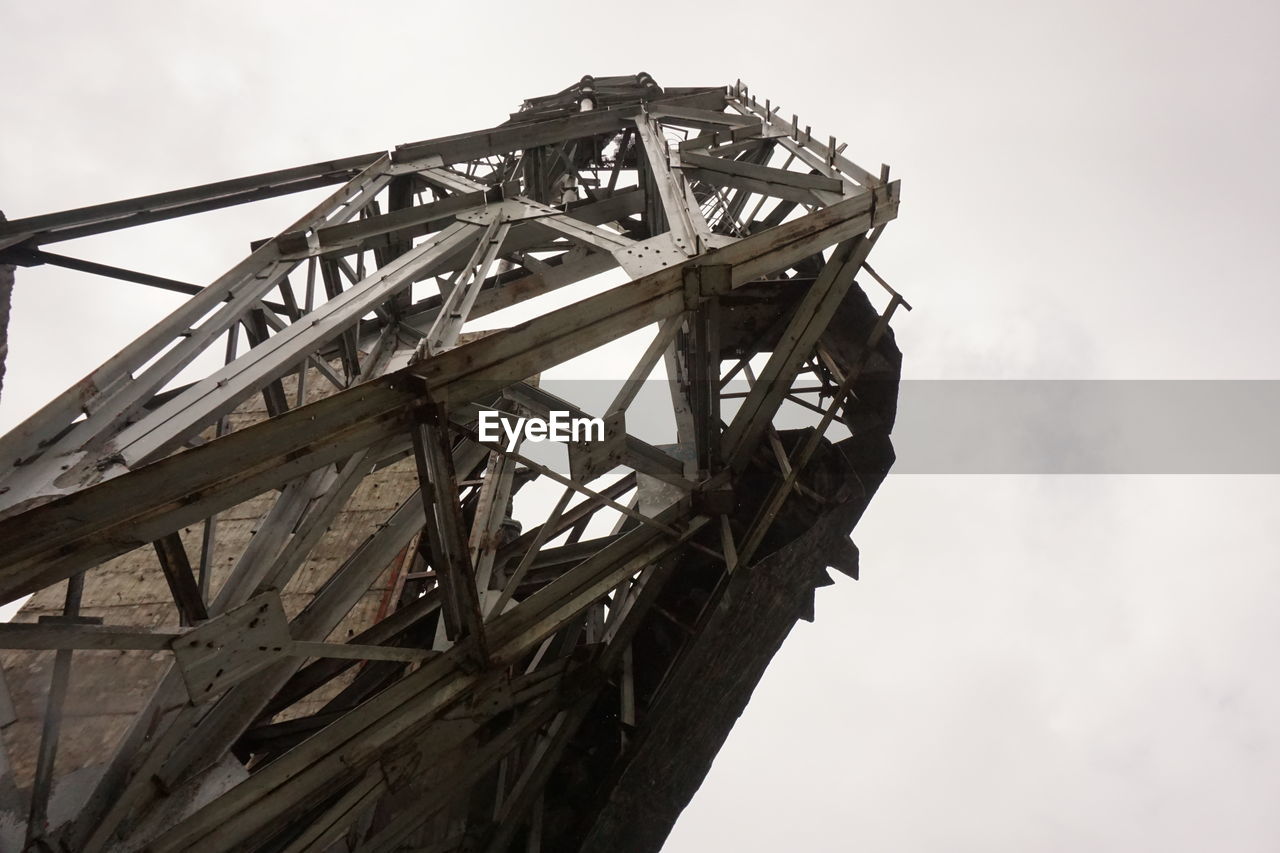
column 535, row 687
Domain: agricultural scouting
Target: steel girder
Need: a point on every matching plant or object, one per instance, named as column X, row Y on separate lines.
column 511, row 685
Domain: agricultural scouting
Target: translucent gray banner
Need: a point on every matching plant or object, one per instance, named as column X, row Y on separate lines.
column 1088, row 427
column 1028, row 426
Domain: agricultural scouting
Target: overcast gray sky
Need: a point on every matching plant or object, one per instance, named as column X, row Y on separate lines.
column 1090, row 191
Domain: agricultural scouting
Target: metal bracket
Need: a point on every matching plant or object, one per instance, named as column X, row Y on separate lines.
column 508, row 210
column 590, row 459
column 703, row 282
column 231, row 647
column 650, row 255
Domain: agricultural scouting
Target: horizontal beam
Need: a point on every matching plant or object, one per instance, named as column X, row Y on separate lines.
column 693, row 117
column 44, row 635
column 409, row 222
column 49, row 635
column 315, row 674
column 35, row 257
column 513, row 137
column 794, row 186
column 351, row 651
column 96, row 219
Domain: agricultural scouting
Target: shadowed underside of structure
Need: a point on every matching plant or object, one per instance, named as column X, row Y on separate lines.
column 303, row 602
